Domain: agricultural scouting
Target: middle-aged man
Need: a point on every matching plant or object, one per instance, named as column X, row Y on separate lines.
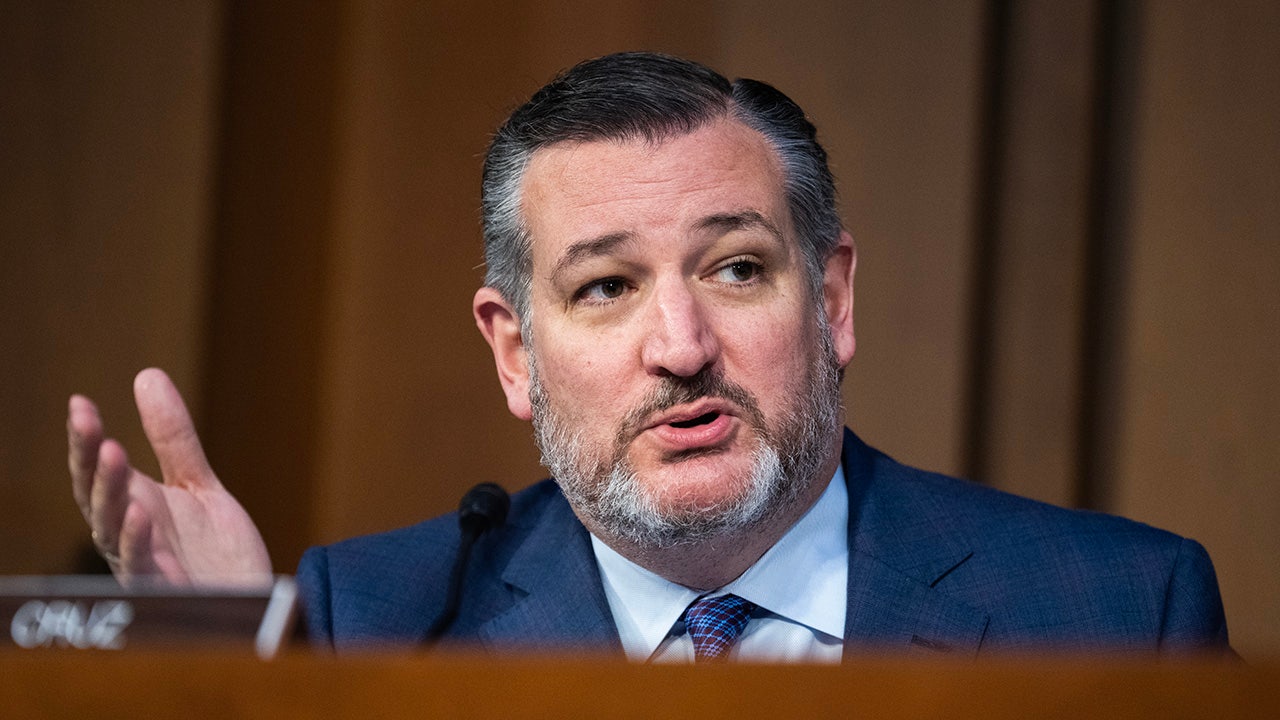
column 669, row 300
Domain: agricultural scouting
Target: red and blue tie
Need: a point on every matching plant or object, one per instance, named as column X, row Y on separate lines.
column 714, row 623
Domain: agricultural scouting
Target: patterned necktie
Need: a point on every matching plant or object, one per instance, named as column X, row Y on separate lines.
column 714, row 623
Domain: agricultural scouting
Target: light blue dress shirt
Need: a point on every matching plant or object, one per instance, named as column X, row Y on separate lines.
column 800, row 586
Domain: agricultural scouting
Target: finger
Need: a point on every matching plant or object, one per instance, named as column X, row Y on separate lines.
column 135, row 547
column 84, row 435
column 138, row 557
column 109, row 496
column 169, row 429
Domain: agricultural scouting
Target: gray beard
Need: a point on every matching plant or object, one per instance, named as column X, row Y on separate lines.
column 606, row 493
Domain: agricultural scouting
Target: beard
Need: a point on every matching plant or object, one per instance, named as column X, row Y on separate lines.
column 607, row 494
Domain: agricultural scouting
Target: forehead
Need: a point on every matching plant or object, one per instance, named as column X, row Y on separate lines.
column 576, row 191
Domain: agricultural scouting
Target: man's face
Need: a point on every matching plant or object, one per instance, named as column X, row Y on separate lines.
column 680, row 366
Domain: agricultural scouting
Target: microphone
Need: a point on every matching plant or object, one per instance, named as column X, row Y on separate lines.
column 483, row 508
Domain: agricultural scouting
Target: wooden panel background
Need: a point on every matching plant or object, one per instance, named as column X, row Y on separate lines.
column 1196, row 450
column 1065, row 214
column 108, row 117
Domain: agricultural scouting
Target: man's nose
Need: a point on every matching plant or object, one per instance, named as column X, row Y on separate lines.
column 678, row 337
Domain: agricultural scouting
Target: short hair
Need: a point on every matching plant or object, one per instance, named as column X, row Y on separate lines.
column 652, row 97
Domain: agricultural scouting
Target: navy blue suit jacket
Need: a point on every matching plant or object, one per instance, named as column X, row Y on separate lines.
column 935, row 564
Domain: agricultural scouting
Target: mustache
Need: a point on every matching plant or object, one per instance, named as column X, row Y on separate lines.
column 672, row 391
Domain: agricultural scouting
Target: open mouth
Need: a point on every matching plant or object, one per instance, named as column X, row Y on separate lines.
column 692, row 430
column 702, row 419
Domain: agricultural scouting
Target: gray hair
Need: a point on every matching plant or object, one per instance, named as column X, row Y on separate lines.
column 651, row 97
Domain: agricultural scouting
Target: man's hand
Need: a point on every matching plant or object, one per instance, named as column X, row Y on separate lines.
column 187, row 530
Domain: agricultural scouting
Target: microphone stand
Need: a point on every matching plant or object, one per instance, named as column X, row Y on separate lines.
column 483, row 508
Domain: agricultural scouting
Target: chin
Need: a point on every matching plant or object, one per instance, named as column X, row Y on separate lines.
column 697, row 485
column 690, row 501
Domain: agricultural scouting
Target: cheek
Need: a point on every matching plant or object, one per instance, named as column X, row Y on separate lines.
column 769, row 358
column 586, row 383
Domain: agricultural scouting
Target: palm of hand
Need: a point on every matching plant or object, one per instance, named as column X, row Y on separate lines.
column 199, row 537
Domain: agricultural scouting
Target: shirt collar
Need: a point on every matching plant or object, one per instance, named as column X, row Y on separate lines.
column 802, row 578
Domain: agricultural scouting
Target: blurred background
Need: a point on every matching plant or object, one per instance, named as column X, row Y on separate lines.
column 1066, row 215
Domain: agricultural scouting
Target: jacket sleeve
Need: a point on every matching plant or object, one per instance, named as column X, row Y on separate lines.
column 313, row 584
column 1193, row 617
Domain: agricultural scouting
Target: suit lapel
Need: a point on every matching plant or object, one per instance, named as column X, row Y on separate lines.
column 561, row 601
column 890, row 610
column 897, row 566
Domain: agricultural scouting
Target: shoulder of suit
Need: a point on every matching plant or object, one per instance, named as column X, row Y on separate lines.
column 991, row 516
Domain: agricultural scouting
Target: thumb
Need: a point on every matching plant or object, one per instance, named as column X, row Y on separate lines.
column 171, row 433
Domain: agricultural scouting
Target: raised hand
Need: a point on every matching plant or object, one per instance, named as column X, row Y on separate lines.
column 186, row 530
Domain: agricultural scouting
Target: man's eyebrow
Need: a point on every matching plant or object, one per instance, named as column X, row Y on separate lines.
column 593, row 247
column 741, row 220
column 723, row 222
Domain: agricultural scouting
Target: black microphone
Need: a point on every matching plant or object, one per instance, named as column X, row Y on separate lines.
column 483, row 508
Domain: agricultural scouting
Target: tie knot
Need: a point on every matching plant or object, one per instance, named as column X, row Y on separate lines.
column 714, row 623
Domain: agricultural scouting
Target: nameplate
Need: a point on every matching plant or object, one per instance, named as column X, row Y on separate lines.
column 92, row 612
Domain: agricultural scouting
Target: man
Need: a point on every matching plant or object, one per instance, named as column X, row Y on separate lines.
column 669, row 300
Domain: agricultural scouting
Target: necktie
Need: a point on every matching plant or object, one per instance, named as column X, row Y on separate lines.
column 714, row 623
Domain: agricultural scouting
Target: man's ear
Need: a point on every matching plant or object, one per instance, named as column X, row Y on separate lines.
column 837, row 293
column 500, row 326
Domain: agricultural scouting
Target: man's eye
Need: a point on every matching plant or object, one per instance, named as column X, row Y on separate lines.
column 606, row 289
column 739, row 271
